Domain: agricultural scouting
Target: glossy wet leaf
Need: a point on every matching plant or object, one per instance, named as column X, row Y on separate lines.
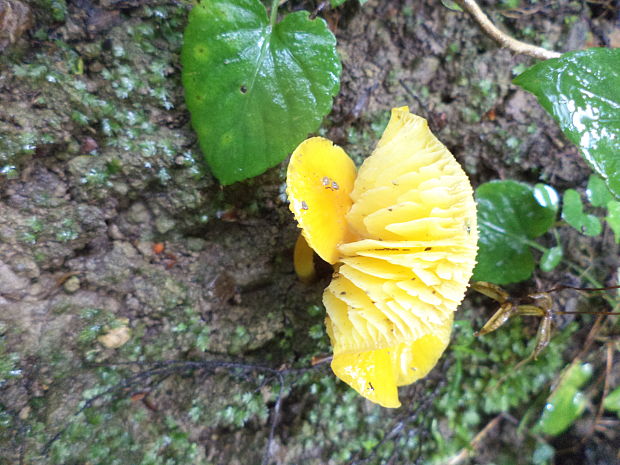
column 509, row 216
column 581, row 90
column 255, row 91
column 573, row 214
column 598, row 192
column 551, row 258
column 547, row 196
column 566, row 403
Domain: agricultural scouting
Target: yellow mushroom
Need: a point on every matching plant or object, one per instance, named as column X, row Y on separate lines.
column 402, row 236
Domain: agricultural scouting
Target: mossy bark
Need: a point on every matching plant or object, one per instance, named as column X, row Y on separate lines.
column 98, row 164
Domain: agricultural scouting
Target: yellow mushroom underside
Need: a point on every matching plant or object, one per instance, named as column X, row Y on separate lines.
column 397, row 284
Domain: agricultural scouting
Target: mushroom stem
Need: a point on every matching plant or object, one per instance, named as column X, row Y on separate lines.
column 503, row 39
column 303, row 261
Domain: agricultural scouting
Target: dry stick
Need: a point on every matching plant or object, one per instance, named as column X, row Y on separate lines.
column 596, row 327
column 599, row 412
column 471, row 7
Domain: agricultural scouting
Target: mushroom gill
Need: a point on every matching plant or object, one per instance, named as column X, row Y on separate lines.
column 403, row 262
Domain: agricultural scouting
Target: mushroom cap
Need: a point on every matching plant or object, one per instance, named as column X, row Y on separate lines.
column 405, row 254
column 319, row 180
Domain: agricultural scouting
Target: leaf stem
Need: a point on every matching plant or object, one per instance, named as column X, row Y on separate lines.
column 535, row 245
column 503, row 39
column 583, row 273
column 274, row 13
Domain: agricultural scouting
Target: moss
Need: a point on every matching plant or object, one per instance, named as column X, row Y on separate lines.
column 104, row 436
column 9, row 361
column 363, row 137
column 191, row 332
column 343, row 428
column 93, row 323
column 56, row 9
column 122, row 85
column 482, row 381
column 243, row 408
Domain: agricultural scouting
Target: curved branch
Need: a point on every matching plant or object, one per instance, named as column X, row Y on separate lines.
column 504, row 40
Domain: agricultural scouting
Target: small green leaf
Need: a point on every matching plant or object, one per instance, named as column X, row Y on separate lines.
column 335, row 3
column 597, row 192
column 591, row 226
column 613, row 218
column 255, row 89
column 543, row 454
column 509, row 217
column 581, row 90
column 573, row 214
column 572, row 208
column 566, row 403
column 451, row 5
column 612, row 401
column 551, row 258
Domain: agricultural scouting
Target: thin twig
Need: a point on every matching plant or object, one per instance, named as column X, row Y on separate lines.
column 599, row 412
column 274, row 421
column 471, row 7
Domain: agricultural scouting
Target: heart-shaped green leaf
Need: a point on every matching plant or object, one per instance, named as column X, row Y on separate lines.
column 509, row 217
column 573, row 214
column 581, row 90
column 254, row 88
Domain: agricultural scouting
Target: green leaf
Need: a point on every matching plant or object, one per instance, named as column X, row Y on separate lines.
column 597, row 192
column 255, row 89
column 551, row 258
column 451, row 5
column 509, row 217
column 547, row 196
column 566, row 403
column 613, row 218
column 612, row 401
column 543, row 454
column 335, row 3
column 581, row 90
column 573, row 214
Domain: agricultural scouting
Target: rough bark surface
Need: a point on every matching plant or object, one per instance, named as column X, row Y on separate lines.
column 109, row 219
